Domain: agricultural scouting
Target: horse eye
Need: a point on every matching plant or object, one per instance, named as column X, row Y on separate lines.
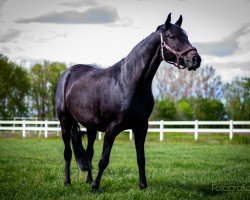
column 172, row 37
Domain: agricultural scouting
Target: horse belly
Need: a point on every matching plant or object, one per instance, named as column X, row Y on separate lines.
column 92, row 109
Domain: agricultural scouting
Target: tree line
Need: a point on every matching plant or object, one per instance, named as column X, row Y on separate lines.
column 28, row 92
column 179, row 94
column 189, row 95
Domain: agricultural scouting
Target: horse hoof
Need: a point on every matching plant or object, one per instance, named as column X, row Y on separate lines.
column 95, row 187
column 143, row 186
column 67, row 183
column 89, row 180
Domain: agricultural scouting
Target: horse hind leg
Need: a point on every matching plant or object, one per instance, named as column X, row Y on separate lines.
column 90, row 152
column 79, row 151
column 66, row 136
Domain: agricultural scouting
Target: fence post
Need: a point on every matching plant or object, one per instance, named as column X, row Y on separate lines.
column 24, row 126
column 40, row 133
column 14, row 125
column 231, row 127
column 36, row 127
column 130, row 135
column 46, row 129
column 196, row 128
column 57, row 132
column 99, row 135
column 161, row 130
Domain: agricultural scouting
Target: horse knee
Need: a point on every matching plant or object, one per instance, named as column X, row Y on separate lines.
column 103, row 163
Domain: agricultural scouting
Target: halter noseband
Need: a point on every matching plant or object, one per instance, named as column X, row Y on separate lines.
column 176, row 53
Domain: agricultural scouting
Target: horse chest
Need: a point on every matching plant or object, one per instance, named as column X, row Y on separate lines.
column 140, row 108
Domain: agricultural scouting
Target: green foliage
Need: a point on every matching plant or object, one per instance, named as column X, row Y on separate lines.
column 14, row 89
column 164, row 110
column 208, row 109
column 33, row 169
column 189, row 109
column 44, row 78
column 184, row 110
column 237, row 96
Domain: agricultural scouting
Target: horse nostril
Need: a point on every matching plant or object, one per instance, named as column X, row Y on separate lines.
column 195, row 59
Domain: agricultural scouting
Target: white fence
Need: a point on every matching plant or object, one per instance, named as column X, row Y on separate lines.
column 47, row 127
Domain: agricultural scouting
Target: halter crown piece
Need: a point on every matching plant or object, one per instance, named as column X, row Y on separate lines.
column 178, row 54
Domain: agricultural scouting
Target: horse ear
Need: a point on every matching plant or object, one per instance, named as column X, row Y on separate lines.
column 168, row 22
column 179, row 21
column 158, row 28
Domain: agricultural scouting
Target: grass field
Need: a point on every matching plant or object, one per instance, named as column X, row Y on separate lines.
column 178, row 168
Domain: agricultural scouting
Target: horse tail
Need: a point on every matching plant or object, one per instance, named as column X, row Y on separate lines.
column 79, row 151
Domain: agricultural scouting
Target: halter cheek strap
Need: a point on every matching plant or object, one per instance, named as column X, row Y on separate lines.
column 178, row 54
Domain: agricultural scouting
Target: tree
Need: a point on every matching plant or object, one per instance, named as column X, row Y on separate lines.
column 208, row 84
column 164, row 110
column 54, row 73
column 237, row 97
column 207, row 109
column 44, row 78
column 184, row 110
column 178, row 84
column 14, row 89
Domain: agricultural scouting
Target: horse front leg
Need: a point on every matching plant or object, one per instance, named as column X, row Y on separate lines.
column 104, row 161
column 140, row 135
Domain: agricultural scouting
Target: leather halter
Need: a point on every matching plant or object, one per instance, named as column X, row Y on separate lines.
column 178, row 54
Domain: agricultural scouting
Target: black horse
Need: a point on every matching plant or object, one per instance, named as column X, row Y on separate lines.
column 117, row 98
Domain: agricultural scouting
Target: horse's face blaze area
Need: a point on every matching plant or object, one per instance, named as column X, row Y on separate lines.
column 176, row 38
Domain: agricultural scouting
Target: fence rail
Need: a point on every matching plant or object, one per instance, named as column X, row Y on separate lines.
column 47, row 127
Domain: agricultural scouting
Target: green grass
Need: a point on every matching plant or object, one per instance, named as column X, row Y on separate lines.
column 178, row 168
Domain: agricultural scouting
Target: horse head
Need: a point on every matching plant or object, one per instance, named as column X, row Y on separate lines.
column 175, row 46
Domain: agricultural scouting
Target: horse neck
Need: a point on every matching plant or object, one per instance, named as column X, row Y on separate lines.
column 142, row 62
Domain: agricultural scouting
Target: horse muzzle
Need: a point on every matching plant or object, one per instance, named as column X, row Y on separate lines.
column 193, row 62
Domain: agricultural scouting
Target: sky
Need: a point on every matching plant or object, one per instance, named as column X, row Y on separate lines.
column 104, row 31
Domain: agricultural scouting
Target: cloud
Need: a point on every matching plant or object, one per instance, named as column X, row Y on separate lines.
column 226, row 47
column 5, row 50
column 2, row 2
column 9, row 35
column 95, row 15
column 47, row 39
column 229, row 70
column 125, row 22
column 218, row 48
column 79, row 3
column 230, row 56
